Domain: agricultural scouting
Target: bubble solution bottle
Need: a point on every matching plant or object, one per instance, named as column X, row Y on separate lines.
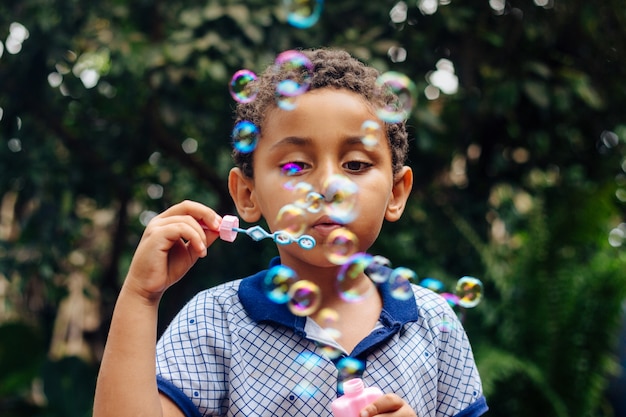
column 355, row 398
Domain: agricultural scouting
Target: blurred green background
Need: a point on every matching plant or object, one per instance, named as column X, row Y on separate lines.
column 112, row 110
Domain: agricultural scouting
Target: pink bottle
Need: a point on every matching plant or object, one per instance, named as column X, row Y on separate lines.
column 355, row 398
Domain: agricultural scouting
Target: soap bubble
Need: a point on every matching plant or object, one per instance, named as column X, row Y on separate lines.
column 340, row 244
column 277, row 282
column 371, row 133
column 328, row 318
column 432, row 284
column 304, row 298
column 406, row 94
column 446, row 324
column 378, row 270
column 290, row 169
column 245, row 136
column 470, row 291
column 350, row 288
column 451, row 299
column 296, row 70
column 303, row 14
column 242, row 87
column 314, row 202
column 291, row 219
column 349, row 368
column 341, row 194
column 400, row 283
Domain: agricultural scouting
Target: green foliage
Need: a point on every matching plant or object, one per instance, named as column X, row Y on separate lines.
column 519, row 174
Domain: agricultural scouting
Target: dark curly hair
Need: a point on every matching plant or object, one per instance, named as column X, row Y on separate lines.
column 331, row 68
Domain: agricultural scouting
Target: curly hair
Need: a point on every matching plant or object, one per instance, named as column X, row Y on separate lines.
column 331, row 68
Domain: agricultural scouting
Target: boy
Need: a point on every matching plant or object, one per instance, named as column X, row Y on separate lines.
column 232, row 351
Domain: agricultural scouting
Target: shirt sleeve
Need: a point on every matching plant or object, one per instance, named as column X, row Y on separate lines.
column 459, row 386
column 193, row 357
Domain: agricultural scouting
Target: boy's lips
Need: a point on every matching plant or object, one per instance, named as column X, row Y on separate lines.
column 325, row 225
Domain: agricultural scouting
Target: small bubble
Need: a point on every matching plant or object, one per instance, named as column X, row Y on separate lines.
column 290, row 169
column 304, row 298
column 291, row 219
column 296, row 71
column 303, row 14
column 245, row 136
column 349, row 284
column 341, row 195
column 349, row 368
column 277, row 282
column 242, row 87
column 432, row 284
column 340, row 245
column 451, row 299
column 400, row 283
column 405, row 94
column 379, row 269
column 470, row 291
column 328, row 318
column 371, row 133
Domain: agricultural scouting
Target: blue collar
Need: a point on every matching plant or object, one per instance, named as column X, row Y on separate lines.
column 395, row 314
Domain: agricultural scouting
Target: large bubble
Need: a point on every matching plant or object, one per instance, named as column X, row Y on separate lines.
column 403, row 88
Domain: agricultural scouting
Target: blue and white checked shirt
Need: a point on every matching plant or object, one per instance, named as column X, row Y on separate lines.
column 231, row 351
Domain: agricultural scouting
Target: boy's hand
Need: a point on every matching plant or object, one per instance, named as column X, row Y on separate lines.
column 171, row 244
column 388, row 405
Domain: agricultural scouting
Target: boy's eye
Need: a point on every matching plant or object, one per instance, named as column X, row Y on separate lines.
column 292, row 168
column 356, row 166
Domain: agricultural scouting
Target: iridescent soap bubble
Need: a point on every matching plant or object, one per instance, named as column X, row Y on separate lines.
column 291, row 219
column 314, row 202
column 290, row 169
column 379, row 269
column 304, row 298
column 400, row 283
column 405, row 92
column 451, row 299
column 470, row 291
column 341, row 196
column 349, row 368
column 303, row 14
column 296, row 71
column 432, row 284
column 446, row 324
column 371, row 134
column 277, row 282
column 349, row 283
column 245, row 136
column 340, row 245
column 242, row 87
column 327, row 318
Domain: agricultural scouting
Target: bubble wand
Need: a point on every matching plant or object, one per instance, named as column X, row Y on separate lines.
column 229, row 227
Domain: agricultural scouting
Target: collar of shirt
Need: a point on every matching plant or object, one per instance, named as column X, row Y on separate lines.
column 395, row 313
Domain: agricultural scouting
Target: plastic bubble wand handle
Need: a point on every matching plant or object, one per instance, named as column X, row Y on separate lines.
column 230, row 227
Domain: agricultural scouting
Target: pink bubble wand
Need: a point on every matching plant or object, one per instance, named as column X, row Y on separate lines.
column 230, row 227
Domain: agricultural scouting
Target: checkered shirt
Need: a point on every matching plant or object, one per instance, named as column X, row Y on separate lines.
column 231, row 351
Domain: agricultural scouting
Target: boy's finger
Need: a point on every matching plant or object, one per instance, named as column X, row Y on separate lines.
column 209, row 218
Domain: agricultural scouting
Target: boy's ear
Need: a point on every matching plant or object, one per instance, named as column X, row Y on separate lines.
column 403, row 183
column 241, row 190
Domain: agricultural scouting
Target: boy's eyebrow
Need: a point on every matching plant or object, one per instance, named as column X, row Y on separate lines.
column 300, row 141
column 291, row 140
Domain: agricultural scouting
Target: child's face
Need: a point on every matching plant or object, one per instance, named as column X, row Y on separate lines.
column 322, row 137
